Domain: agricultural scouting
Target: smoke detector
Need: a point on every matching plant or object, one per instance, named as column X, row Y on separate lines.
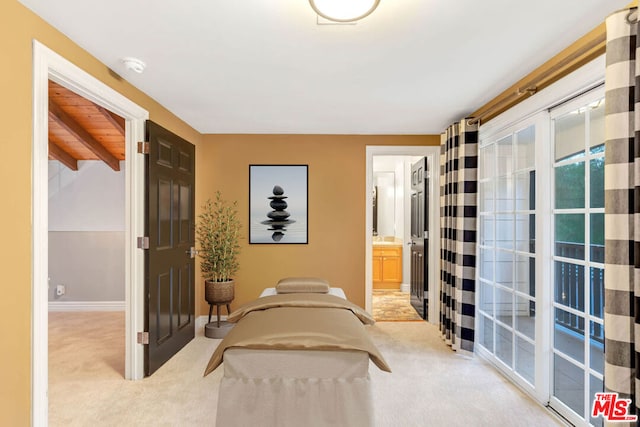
column 134, row 64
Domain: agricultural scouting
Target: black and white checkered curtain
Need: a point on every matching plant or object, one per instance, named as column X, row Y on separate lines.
column 458, row 206
column 622, row 209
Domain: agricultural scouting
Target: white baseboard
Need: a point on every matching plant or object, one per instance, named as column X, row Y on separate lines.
column 86, row 306
column 405, row 287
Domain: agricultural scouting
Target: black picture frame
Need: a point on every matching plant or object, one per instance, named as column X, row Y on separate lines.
column 279, row 204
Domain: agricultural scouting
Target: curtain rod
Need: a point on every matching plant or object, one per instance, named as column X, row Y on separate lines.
column 584, row 50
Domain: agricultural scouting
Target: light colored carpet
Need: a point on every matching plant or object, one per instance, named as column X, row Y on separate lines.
column 430, row 385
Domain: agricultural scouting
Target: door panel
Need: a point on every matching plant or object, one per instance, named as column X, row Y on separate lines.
column 419, row 237
column 170, row 226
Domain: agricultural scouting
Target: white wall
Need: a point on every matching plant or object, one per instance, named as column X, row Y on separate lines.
column 86, row 232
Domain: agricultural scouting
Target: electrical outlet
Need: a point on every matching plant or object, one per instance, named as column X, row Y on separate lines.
column 60, row 290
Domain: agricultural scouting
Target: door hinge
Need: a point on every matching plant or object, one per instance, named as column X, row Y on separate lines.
column 143, row 337
column 143, row 147
column 143, row 242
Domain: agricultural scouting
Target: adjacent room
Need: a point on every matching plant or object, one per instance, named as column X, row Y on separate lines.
column 282, row 213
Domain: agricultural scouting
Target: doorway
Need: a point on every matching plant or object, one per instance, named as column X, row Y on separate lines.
column 50, row 66
column 400, row 231
column 86, row 247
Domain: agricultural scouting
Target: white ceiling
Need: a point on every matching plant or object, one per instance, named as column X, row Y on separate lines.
column 266, row 66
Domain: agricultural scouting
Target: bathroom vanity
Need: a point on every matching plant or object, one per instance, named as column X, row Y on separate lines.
column 387, row 264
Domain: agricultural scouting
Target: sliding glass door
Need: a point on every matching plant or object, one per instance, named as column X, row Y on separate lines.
column 578, row 258
column 540, row 295
column 507, row 252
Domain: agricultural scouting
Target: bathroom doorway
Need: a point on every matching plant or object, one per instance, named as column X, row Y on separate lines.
column 388, row 237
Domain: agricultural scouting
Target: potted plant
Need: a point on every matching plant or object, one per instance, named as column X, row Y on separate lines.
column 218, row 231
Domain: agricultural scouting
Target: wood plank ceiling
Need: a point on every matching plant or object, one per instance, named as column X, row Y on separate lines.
column 82, row 130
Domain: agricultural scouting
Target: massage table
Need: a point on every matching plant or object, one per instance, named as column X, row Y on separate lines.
column 275, row 381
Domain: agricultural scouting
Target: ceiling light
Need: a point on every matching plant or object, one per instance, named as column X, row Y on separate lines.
column 134, row 64
column 344, row 10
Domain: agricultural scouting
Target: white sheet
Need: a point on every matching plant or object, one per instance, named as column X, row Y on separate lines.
column 333, row 291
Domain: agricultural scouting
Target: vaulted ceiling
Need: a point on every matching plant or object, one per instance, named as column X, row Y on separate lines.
column 82, row 130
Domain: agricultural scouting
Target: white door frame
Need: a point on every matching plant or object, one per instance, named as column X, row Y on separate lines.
column 49, row 65
column 432, row 153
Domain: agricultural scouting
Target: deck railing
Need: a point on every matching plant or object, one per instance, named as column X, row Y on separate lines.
column 570, row 282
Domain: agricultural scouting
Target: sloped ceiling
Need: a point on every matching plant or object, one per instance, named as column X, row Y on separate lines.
column 82, row 130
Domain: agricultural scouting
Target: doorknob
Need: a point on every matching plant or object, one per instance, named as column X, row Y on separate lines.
column 192, row 252
column 411, row 243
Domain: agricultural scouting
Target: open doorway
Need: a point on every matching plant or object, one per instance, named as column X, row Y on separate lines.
column 392, row 254
column 50, row 66
column 86, row 216
column 389, row 231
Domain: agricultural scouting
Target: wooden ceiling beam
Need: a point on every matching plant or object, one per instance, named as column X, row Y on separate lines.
column 114, row 119
column 57, row 153
column 84, row 137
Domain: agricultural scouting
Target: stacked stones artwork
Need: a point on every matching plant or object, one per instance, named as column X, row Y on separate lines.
column 278, row 217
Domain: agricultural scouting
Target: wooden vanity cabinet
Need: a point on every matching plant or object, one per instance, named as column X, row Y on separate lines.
column 387, row 266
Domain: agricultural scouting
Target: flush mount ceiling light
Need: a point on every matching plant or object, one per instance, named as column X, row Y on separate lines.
column 134, row 64
column 344, row 10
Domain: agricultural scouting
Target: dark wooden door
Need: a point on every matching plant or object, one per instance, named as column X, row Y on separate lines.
column 169, row 261
column 419, row 237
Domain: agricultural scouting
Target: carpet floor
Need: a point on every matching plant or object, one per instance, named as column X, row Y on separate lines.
column 430, row 385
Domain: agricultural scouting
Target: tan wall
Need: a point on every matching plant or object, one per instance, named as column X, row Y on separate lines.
column 337, row 164
column 18, row 26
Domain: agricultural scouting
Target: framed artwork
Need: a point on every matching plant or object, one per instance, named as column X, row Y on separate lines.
column 278, row 204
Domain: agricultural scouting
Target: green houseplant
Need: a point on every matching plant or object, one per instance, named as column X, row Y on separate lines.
column 218, row 232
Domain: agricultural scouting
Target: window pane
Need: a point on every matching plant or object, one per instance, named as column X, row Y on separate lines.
column 596, row 386
column 570, row 186
column 504, row 306
column 486, row 264
column 486, row 298
column 597, row 237
column 570, row 236
column 504, row 193
column 568, row 336
column 526, row 317
column 569, row 135
column 486, row 230
column 597, row 292
column 525, row 360
column 596, row 123
column 486, row 333
column 596, row 179
column 568, row 384
column 525, row 233
column 525, row 148
column 597, row 347
column 505, row 156
column 526, row 275
column 486, row 196
column 487, row 161
column 569, row 285
column 504, row 344
column 504, row 231
column 504, row 268
column 524, row 191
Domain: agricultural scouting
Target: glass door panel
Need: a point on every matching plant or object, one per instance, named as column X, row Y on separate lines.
column 507, row 306
column 578, row 292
